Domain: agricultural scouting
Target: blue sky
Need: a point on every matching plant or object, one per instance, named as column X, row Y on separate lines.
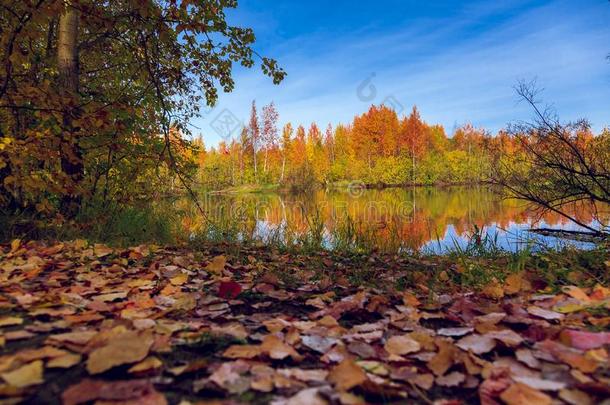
column 456, row 60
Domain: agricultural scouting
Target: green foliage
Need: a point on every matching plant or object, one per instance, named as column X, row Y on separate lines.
column 138, row 72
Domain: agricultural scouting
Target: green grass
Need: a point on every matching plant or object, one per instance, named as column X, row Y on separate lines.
column 249, row 189
column 124, row 226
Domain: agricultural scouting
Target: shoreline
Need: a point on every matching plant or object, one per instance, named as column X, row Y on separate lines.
column 344, row 184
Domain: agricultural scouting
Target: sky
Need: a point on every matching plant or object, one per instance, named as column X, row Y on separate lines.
column 458, row 61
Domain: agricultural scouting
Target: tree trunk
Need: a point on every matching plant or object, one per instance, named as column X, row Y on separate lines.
column 265, row 165
column 70, row 151
column 255, row 168
column 283, row 168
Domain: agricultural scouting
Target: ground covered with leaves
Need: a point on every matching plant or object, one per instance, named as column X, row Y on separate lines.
column 87, row 323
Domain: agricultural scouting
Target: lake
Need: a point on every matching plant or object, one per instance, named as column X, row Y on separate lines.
column 428, row 219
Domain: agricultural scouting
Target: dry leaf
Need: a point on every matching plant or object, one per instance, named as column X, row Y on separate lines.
column 217, row 265
column 308, row 396
column 10, row 321
column 25, row 376
column 179, row 279
column 545, row 313
column 477, row 344
column 65, row 361
column 444, row 359
column 520, row 394
column 146, row 365
column 493, row 290
column 127, row 347
column 346, row 375
column 451, row 380
column 399, row 345
column 242, row 352
column 455, row 332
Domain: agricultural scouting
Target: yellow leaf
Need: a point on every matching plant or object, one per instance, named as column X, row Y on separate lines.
column 30, row 374
column 577, row 293
column 65, row 361
column 10, row 321
column 493, row 290
column 217, row 264
column 569, row 308
column 148, row 364
column 180, row 279
column 515, row 283
column 278, row 350
column 15, row 245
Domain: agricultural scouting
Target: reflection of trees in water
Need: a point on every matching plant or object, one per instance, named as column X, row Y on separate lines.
column 414, row 216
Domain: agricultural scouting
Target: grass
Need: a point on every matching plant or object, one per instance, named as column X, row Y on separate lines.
column 120, row 226
column 479, row 261
column 249, row 188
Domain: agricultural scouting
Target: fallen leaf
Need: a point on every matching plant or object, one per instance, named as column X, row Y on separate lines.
column 320, row 344
column 25, row 376
column 304, row 375
column 451, row 380
column 545, row 313
column 10, row 321
column 65, row 361
column 493, row 290
column 132, row 391
column 127, row 347
column 277, row 349
column 443, row 360
column 346, row 375
column 540, row 384
column 399, row 345
column 516, row 283
column 242, row 352
column 576, row 292
column 519, row 394
column 526, row 357
column 477, row 344
column 217, row 265
column 146, row 365
column 229, row 290
column 308, row 396
column 584, row 340
column 179, row 279
column 455, row 332
column 508, row 337
column 575, row 397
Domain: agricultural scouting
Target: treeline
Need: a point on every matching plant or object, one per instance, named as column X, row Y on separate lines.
column 377, row 147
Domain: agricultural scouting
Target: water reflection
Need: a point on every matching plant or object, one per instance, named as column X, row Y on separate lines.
column 433, row 219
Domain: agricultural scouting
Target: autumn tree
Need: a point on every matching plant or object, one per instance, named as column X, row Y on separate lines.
column 269, row 133
column 91, row 91
column 255, row 138
column 412, row 138
column 286, row 147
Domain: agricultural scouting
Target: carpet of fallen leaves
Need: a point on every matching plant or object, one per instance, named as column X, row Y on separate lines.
column 86, row 323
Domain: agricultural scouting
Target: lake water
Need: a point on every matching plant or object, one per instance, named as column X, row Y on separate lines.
column 427, row 219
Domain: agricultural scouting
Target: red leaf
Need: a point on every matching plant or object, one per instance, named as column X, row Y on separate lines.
column 229, row 290
column 585, row 340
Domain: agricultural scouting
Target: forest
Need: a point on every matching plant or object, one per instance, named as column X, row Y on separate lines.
column 389, row 259
column 377, row 148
